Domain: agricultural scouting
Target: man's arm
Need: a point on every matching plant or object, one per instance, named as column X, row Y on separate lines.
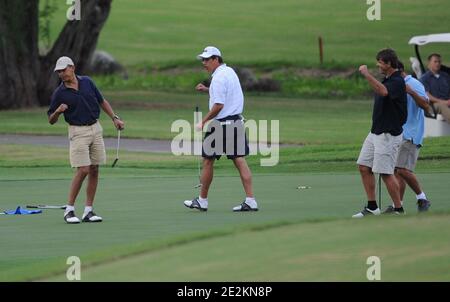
column 434, row 99
column 210, row 115
column 53, row 118
column 202, row 88
column 118, row 123
column 420, row 101
column 377, row 86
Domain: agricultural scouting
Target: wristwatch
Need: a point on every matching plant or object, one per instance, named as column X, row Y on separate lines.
column 116, row 117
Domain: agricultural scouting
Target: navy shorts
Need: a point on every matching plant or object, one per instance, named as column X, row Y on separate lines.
column 225, row 136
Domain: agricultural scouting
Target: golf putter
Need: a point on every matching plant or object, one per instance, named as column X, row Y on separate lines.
column 117, row 150
column 44, row 206
column 198, row 157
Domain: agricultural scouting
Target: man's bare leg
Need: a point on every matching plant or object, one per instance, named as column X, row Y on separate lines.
column 92, row 185
column 246, row 175
column 77, row 182
column 207, row 176
column 368, row 180
column 393, row 189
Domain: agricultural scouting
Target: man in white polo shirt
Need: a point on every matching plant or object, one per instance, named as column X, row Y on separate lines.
column 226, row 132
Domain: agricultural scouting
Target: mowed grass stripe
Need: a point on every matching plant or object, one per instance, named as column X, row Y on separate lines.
column 300, row 121
column 410, row 249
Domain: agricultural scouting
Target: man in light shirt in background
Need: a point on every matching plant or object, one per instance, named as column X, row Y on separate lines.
column 413, row 129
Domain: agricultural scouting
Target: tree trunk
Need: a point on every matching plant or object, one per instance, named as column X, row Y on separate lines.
column 19, row 63
column 27, row 79
column 77, row 40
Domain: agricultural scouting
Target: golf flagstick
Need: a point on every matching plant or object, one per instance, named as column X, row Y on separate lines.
column 198, row 157
column 117, row 150
column 379, row 189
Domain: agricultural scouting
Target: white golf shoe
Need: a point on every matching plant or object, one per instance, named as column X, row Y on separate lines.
column 91, row 217
column 195, row 204
column 245, row 207
column 70, row 217
column 366, row 212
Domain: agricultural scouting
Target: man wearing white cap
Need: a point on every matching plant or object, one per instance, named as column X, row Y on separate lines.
column 226, row 103
column 79, row 100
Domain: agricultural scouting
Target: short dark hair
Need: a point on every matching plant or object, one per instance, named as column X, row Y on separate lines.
column 434, row 55
column 388, row 55
column 401, row 67
column 217, row 57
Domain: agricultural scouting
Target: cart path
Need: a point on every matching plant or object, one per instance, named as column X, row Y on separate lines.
column 128, row 144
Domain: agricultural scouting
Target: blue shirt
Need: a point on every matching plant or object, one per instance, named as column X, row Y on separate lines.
column 414, row 127
column 84, row 104
column 438, row 87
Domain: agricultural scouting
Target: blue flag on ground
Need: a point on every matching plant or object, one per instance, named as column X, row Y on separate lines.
column 20, row 211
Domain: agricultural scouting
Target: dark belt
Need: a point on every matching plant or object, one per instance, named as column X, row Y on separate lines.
column 85, row 124
column 230, row 118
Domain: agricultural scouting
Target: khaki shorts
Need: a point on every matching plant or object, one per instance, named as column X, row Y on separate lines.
column 407, row 155
column 379, row 152
column 86, row 145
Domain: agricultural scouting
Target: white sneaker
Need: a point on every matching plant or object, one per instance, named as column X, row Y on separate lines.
column 195, row 204
column 366, row 211
column 70, row 217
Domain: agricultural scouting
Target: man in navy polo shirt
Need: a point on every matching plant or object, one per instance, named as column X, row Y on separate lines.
column 379, row 151
column 437, row 85
column 79, row 100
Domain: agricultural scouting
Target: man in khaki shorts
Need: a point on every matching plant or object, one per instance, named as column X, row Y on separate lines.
column 380, row 149
column 79, row 100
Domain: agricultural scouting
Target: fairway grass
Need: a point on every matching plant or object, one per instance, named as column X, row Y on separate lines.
column 173, row 32
column 151, row 114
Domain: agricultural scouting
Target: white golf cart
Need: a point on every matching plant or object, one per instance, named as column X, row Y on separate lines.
column 435, row 125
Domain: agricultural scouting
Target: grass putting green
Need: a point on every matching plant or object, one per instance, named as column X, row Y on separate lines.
column 146, row 213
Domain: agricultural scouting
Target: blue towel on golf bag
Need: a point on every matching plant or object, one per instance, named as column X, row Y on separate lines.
column 20, row 211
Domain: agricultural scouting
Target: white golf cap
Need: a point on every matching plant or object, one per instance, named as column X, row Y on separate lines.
column 63, row 62
column 209, row 52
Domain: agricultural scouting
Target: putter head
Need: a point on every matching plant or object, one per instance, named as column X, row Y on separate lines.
column 198, row 186
column 114, row 163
